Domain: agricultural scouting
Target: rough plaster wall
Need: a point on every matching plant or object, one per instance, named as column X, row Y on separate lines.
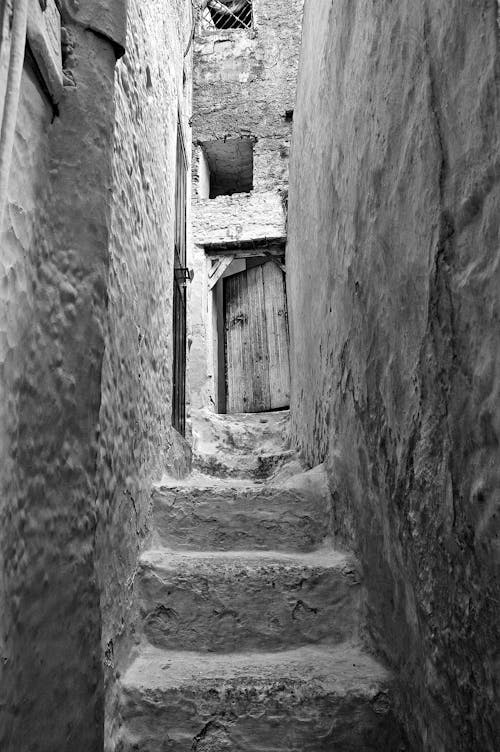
column 54, row 259
column 394, row 275
column 105, row 17
column 137, row 442
column 244, row 82
column 29, row 167
column 237, row 218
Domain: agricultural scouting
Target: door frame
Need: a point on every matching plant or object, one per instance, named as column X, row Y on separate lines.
column 275, row 249
column 179, row 302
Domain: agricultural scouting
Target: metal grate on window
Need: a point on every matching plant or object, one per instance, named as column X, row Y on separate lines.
column 226, row 14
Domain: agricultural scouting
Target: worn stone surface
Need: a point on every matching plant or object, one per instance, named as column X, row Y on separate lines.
column 136, row 442
column 239, row 446
column 53, row 281
column 257, row 467
column 239, row 433
column 290, row 515
column 306, row 700
column 241, row 217
column 251, row 649
column 248, row 600
column 393, row 283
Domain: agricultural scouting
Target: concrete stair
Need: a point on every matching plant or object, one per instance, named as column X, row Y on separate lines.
column 251, row 620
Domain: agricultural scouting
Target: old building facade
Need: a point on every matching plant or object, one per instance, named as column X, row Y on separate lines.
column 243, row 99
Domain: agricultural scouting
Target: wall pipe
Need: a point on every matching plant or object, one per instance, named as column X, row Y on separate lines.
column 11, row 103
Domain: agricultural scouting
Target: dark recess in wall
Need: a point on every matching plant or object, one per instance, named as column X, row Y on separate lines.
column 230, row 163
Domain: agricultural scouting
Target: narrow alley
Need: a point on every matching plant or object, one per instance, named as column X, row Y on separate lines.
column 249, row 375
column 252, row 621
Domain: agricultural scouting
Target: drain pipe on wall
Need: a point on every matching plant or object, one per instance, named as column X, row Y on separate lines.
column 11, row 103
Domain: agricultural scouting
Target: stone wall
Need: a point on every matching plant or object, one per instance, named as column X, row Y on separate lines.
column 239, row 218
column 137, row 442
column 394, row 274
column 54, row 245
column 244, row 84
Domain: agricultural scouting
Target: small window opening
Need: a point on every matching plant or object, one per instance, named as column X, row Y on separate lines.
column 230, row 165
column 288, row 116
column 227, row 14
column 149, row 81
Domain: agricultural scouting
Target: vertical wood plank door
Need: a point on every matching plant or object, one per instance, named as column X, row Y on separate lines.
column 256, row 340
column 277, row 335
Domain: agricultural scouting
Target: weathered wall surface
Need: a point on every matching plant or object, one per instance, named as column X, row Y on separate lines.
column 239, row 218
column 137, row 443
column 244, row 83
column 85, row 358
column 244, row 86
column 394, row 273
column 16, row 242
column 54, row 245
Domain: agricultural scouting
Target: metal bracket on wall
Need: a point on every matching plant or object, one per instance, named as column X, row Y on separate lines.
column 44, row 39
column 183, row 275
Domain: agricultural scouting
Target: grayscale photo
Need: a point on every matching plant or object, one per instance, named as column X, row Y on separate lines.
column 249, row 375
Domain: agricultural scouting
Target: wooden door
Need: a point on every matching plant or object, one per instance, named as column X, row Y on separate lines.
column 256, row 340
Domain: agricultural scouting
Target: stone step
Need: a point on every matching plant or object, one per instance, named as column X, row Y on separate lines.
column 231, row 601
column 200, row 514
column 259, row 466
column 245, row 445
column 314, row 699
column 239, row 432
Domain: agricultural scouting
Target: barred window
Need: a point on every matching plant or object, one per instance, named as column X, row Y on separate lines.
column 227, row 14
